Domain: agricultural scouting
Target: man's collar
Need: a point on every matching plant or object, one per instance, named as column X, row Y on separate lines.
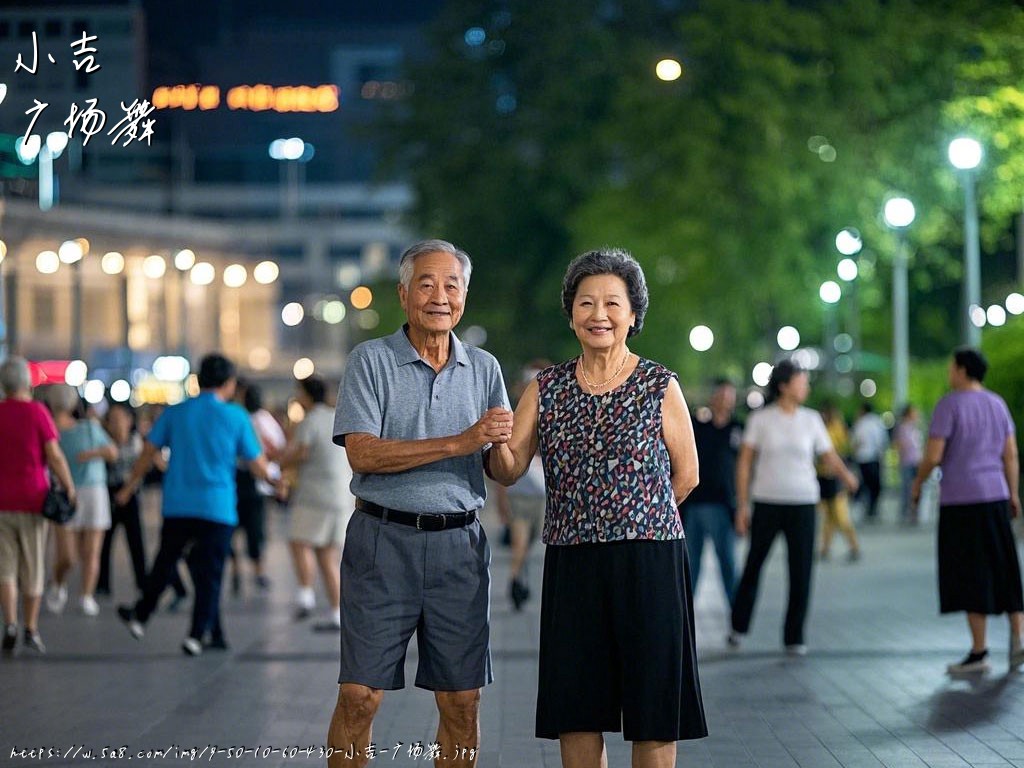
column 406, row 353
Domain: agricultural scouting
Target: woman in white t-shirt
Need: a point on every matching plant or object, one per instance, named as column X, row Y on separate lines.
column 776, row 471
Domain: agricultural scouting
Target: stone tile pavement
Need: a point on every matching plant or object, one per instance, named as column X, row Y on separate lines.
column 872, row 692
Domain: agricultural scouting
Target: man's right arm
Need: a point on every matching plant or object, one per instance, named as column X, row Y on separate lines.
column 369, row 454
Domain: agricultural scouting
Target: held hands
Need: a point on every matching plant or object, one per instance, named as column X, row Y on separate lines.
column 495, row 426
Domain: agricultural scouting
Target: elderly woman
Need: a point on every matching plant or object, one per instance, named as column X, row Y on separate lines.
column 776, row 470
column 29, row 446
column 616, row 440
column 972, row 438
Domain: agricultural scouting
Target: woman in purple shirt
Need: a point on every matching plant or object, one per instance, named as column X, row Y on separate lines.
column 972, row 438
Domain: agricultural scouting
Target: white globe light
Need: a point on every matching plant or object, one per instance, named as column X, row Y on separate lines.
column 292, row 149
column 56, row 142
column 1015, row 304
column 202, row 273
column 28, row 149
column 755, row 400
column 996, row 315
column 762, row 374
column 965, row 153
column 334, row 312
column 788, row 338
column 847, row 270
column 120, row 391
column 276, row 149
column 70, row 251
column 303, row 368
column 830, row 292
column 265, row 272
column 235, row 276
column 899, row 212
column 701, row 338
column 868, row 388
column 112, row 263
column 292, row 313
column 668, row 70
column 94, row 390
column 47, row 262
column 184, row 259
column 154, row 267
column 978, row 316
column 76, row 373
column 848, row 242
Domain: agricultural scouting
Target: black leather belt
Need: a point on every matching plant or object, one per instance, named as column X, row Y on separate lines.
column 421, row 521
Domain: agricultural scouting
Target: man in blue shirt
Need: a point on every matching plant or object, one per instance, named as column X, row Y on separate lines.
column 206, row 435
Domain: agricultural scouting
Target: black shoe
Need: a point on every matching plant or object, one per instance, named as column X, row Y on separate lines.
column 217, row 643
column 973, row 662
column 10, row 637
column 127, row 614
column 519, row 593
column 33, row 641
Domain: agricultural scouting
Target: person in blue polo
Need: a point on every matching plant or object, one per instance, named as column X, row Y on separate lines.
column 206, row 434
column 415, row 412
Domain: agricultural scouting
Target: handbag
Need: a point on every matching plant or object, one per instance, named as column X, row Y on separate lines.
column 57, row 507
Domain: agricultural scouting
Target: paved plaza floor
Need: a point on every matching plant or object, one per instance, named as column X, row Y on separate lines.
column 872, row 691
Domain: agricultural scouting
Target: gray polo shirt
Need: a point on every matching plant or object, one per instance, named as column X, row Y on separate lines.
column 389, row 391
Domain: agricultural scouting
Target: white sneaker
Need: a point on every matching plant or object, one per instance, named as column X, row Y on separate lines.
column 56, row 598
column 89, row 606
column 191, row 647
column 971, row 663
column 796, row 649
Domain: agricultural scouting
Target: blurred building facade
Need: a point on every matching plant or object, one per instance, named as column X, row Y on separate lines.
column 207, row 181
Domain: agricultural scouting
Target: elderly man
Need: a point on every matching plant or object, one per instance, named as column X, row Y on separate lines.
column 416, row 411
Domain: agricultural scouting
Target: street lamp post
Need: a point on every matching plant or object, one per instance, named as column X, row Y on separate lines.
column 46, row 152
column 294, row 153
column 965, row 155
column 899, row 214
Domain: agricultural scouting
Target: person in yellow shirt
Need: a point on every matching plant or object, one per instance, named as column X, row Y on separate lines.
column 835, row 506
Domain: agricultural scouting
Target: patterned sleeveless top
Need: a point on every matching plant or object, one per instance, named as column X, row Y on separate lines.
column 606, row 465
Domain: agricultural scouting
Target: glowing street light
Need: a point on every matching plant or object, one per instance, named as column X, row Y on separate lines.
column 701, row 338
column 848, row 242
column 788, row 338
column 899, row 214
column 668, row 70
column 965, row 155
column 830, row 292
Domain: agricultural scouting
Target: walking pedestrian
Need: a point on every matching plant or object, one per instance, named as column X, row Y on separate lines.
column 972, row 437
column 709, row 511
column 869, row 440
column 909, row 446
column 835, row 507
column 616, row 641
column 415, row 411
column 30, row 447
column 206, row 435
column 775, row 472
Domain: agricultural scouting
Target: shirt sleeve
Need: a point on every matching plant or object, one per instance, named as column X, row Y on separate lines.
column 498, row 397
column 47, row 428
column 822, row 442
column 159, row 432
column 359, row 408
column 942, row 420
column 1011, row 429
column 248, row 444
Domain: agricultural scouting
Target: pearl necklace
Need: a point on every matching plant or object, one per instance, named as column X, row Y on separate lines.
column 590, row 385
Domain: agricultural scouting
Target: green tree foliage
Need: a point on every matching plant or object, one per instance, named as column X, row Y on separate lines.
column 791, row 121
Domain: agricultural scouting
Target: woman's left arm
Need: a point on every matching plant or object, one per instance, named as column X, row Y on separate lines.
column 677, row 429
column 1011, row 468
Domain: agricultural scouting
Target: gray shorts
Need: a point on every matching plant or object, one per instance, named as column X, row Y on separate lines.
column 396, row 580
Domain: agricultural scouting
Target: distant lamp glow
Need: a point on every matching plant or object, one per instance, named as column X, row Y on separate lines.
column 292, row 313
column 259, row 358
column 361, row 297
column 303, row 368
column 56, row 142
column 788, row 338
column 965, row 153
column 184, row 260
column 848, row 242
column 978, row 316
column 112, row 264
column 70, row 251
column 47, row 262
column 868, row 388
column 843, row 343
column 668, row 70
column 847, row 270
column 171, row 368
column 1015, row 304
column 702, row 338
column 93, row 391
column 235, row 276
column 755, row 399
column 475, row 37
column 265, row 272
column 368, row 319
column 28, row 149
column 762, row 374
column 154, row 266
column 333, row 312
column 830, row 292
column 3, row 251
column 292, row 148
column 996, row 315
column 202, row 273
column 899, row 212
column 120, row 391
column 296, row 413
column 76, row 373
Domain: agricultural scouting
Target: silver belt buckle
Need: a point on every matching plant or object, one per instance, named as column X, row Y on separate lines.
column 418, row 526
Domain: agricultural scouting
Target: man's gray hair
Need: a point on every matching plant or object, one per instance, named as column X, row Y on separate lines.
column 422, row 248
column 14, row 376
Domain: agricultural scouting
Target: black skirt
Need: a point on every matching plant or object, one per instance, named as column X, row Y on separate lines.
column 617, row 644
column 979, row 571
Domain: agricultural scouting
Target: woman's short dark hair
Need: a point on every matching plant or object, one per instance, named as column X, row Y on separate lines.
column 608, row 261
column 782, row 373
column 252, row 398
column 974, row 363
column 215, row 371
column 315, row 388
